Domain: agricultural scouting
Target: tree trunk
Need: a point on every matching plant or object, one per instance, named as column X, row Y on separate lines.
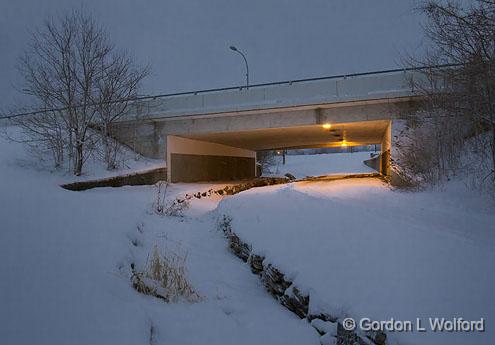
column 493, row 156
column 106, row 146
column 110, row 150
column 78, row 163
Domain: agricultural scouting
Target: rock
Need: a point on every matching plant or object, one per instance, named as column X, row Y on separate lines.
column 290, row 176
column 256, row 263
column 345, row 337
column 325, row 327
column 240, row 249
column 296, row 302
column 274, row 281
column 322, row 316
column 224, row 225
column 378, row 337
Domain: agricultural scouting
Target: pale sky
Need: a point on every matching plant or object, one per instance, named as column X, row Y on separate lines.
column 186, row 41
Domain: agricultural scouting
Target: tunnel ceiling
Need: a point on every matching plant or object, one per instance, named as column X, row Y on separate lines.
column 354, row 133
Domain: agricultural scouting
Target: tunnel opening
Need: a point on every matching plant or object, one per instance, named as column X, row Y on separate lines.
column 236, row 155
column 323, row 161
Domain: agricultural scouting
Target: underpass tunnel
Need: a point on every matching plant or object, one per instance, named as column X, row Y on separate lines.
column 231, row 155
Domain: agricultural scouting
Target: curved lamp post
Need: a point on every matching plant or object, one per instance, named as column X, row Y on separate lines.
column 245, row 61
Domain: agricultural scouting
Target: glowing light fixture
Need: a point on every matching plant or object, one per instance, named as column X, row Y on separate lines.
column 326, row 126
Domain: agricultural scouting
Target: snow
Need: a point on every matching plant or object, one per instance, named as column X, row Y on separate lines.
column 325, row 326
column 127, row 160
column 364, row 250
column 358, row 247
column 65, row 273
column 322, row 164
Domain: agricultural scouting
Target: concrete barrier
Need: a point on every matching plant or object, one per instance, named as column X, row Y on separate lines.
column 374, row 162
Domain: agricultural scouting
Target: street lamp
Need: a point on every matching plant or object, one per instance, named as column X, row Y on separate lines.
column 245, row 61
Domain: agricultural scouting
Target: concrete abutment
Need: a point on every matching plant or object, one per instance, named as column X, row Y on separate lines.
column 191, row 160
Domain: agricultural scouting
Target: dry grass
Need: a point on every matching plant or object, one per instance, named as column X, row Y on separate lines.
column 165, row 277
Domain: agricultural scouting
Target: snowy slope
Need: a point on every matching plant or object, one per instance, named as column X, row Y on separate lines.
column 127, row 161
column 66, row 267
column 364, row 250
column 322, row 164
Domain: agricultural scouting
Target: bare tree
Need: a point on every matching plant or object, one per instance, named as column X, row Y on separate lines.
column 117, row 86
column 71, row 65
column 459, row 107
column 266, row 159
column 43, row 134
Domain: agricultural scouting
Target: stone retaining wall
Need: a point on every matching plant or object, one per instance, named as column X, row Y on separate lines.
column 148, row 177
column 290, row 296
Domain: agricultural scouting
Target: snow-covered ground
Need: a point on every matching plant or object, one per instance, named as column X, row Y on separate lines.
column 321, row 164
column 127, row 160
column 65, row 269
column 364, row 250
column 358, row 247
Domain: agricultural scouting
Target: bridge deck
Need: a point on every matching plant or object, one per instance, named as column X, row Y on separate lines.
column 359, row 87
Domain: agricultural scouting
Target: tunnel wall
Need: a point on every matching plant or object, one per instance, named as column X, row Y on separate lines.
column 194, row 161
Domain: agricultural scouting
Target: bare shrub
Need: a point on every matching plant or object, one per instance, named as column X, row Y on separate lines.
column 161, row 193
column 165, row 277
column 428, row 151
column 174, row 208
column 177, row 207
column 457, row 119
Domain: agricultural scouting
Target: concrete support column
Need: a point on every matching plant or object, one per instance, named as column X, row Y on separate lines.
column 194, row 160
column 388, row 160
column 386, row 148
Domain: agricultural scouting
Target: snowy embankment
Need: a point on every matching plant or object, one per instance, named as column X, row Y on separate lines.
column 127, row 161
column 361, row 249
column 321, row 164
column 65, row 273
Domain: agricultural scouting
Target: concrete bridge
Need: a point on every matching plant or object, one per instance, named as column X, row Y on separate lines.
column 214, row 134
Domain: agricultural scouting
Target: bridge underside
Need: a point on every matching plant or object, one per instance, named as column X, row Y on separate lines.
column 221, row 147
column 353, row 134
column 231, row 155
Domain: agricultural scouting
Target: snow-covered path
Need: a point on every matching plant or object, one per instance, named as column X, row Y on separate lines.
column 65, row 267
column 363, row 250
